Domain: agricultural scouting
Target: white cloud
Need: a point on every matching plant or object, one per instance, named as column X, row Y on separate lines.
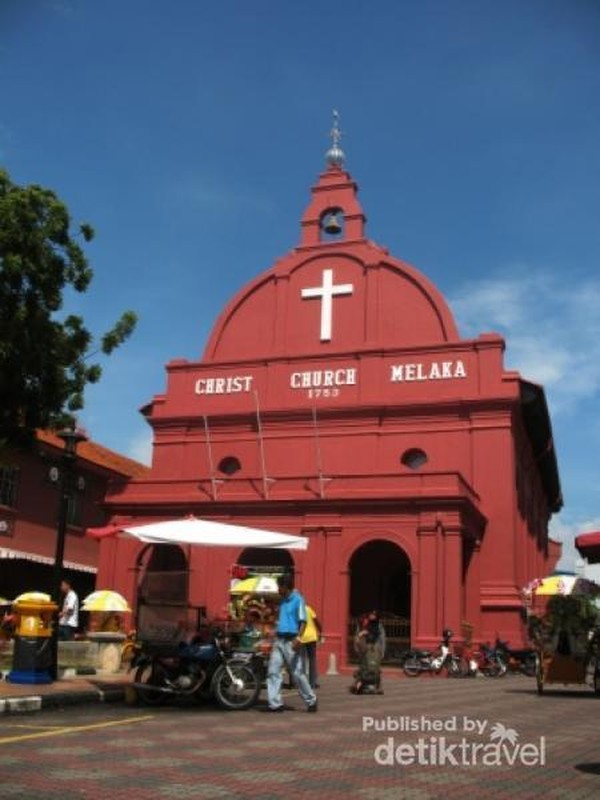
column 140, row 447
column 551, row 327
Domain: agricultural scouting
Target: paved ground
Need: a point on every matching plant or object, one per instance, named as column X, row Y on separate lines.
column 120, row 752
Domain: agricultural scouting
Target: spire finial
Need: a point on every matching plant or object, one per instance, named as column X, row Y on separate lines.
column 335, row 155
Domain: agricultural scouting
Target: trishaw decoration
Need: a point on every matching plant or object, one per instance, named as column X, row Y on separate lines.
column 563, row 618
column 252, row 608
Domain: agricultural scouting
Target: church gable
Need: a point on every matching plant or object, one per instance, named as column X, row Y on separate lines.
column 330, row 298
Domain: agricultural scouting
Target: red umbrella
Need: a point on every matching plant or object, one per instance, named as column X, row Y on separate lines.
column 588, row 545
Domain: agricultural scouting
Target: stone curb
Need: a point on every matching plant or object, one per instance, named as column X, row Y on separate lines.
column 20, row 705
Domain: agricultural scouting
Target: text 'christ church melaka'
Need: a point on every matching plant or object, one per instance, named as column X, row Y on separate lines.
column 335, row 399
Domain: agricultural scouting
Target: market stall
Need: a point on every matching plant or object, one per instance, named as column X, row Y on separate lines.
column 225, row 656
column 165, row 618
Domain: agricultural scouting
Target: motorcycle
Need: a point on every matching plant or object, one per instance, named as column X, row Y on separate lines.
column 199, row 671
column 522, row 660
column 483, row 661
column 419, row 661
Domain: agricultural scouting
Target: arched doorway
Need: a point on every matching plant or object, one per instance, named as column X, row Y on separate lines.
column 162, row 594
column 266, row 559
column 380, row 579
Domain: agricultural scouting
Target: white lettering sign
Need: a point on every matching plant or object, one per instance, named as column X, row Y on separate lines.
column 322, row 378
column 437, row 370
column 232, row 384
column 327, row 292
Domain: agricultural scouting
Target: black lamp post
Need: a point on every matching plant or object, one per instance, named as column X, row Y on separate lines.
column 71, row 438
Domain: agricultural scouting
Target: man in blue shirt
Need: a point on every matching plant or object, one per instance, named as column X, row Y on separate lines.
column 287, row 648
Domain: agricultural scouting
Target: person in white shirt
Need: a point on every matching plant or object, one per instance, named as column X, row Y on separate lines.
column 68, row 619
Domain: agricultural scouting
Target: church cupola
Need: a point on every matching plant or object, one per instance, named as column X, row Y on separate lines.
column 334, row 214
column 335, row 155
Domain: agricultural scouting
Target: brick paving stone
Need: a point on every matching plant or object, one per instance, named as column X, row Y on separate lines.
column 202, row 751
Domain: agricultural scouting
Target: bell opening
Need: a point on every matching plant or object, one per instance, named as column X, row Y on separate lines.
column 332, row 223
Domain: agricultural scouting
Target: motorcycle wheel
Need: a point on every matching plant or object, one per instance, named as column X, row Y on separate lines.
column 494, row 670
column 230, row 696
column 411, row 667
column 151, row 674
column 453, row 669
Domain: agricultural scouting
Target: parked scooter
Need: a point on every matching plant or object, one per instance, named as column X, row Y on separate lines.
column 522, row 660
column 199, row 671
column 483, row 661
column 425, row 661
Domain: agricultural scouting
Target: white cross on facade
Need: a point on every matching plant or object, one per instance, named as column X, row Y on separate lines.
column 327, row 292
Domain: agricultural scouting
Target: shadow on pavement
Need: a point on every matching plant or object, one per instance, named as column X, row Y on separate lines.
column 591, row 769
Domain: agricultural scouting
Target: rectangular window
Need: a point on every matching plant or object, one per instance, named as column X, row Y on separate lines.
column 9, row 478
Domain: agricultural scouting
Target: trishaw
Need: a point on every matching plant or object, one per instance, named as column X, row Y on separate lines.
column 567, row 641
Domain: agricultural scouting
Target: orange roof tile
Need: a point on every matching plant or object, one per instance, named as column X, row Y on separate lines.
column 98, row 454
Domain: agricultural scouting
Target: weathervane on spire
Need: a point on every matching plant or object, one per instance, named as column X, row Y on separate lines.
column 335, row 155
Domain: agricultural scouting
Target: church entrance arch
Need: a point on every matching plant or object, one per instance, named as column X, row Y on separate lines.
column 266, row 560
column 380, row 579
column 163, row 575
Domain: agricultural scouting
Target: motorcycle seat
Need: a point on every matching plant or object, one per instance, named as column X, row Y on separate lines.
column 200, row 652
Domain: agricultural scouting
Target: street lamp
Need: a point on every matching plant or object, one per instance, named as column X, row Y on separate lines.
column 71, row 438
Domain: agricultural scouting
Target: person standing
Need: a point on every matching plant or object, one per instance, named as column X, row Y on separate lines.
column 68, row 619
column 287, row 648
column 310, row 639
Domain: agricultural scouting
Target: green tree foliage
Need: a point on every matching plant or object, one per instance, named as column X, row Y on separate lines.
column 44, row 358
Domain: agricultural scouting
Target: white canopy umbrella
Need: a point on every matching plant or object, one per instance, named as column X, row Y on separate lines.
column 192, row 530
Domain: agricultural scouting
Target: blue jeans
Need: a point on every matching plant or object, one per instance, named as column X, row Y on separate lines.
column 283, row 654
column 310, row 663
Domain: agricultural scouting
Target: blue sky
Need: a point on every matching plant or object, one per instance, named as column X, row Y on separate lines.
column 189, row 133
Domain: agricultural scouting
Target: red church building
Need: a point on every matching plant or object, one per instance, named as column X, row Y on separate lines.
column 336, row 400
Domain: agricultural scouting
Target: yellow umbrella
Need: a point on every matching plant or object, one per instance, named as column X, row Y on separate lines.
column 565, row 584
column 259, row 584
column 105, row 600
column 5, row 602
column 33, row 597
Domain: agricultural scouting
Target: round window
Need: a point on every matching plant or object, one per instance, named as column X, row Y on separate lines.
column 229, row 465
column 414, row 458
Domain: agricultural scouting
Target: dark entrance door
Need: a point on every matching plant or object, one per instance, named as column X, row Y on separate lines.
column 380, row 581
column 163, row 615
column 267, row 560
